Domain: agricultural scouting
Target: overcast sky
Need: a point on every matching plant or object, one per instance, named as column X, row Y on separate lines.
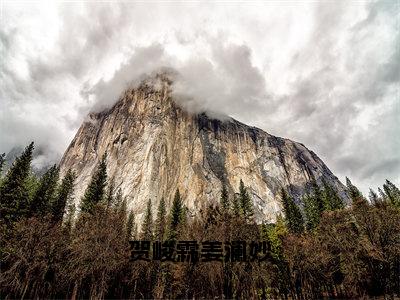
column 322, row 73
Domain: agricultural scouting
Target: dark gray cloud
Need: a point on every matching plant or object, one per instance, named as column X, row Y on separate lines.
column 325, row 74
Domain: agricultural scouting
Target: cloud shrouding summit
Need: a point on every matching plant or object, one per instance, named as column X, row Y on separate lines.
column 324, row 74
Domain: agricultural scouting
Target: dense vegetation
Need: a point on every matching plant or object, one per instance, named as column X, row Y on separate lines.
column 322, row 248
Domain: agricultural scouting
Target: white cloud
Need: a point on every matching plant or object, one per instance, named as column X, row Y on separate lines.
column 325, row 74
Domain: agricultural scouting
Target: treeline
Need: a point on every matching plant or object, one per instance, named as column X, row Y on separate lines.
column 322, row 248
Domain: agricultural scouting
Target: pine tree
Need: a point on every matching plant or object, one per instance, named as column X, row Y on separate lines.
column 69, row 216
column 110, row 194
column 353, row 192
column 161, row 220
column 382, row 195
column 321, row 203
column 224, row 200
column 147, row 226
column 2, row 161
column 294, row 219
column 176, row 216
column 331, row 199
column 236, row 205
column 96, row 188
column 312, row 211
column 45, row 194
column 373, row 197
column 14, row 193
column 246, row 205
column 392, row 193
column 63, row 196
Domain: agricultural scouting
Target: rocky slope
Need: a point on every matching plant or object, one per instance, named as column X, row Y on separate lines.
column 155, row 147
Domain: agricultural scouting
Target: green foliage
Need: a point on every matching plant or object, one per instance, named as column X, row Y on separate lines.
column 176, row 217
column 46, row 193
column 161, row 221
column 236, row 206
column 373, row 197
column 314, row 204
column 110, row 194
column 392, row 193
column 294, row 219
column 353, row 252
column 330, row 198
column 353, row 192
column 95, row 191
column 32, row 184
column 2, row 161
column 147, row 226
column 318, row 201
column 246, row 205
column 14, row 191
column 224, row 200
column 274, row 234
column 312, row 211
column 321, row 202
column 69, row 216
column 64, row 196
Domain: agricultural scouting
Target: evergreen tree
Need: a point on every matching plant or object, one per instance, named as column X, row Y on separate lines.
column 69, row 216
column 63, row 196
column 320, row 200
column 184, row 217
column 110, row 194
column 294, row 219
column 176, row 216
column 147, row 226
column 161, row 220
column 14, row 193
column 382, row 195
column 274, row 233
column 373, row 197
column 46, row 192
column 236, row 205
column 224, row 200
column 331, row 199
column 2, row 161
column 392, row 193
column 96, row 188
column 353, row 192
column 32, row 185
column 246, row 205
column 312, row 211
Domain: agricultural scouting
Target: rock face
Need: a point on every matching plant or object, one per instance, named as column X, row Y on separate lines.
column 154, row 147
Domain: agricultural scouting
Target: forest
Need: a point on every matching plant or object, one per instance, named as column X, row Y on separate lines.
column 321, row 248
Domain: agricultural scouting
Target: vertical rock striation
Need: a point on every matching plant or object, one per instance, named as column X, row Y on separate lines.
column 155, row 147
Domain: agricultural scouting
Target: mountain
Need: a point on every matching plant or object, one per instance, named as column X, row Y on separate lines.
column 155, row 147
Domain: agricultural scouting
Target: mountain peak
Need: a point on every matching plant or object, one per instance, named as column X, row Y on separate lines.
column 155, row 147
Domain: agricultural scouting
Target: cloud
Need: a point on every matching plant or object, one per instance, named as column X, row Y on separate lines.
column 325, row 74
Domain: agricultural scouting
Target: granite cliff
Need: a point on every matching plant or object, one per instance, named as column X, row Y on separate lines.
column 155, row 147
